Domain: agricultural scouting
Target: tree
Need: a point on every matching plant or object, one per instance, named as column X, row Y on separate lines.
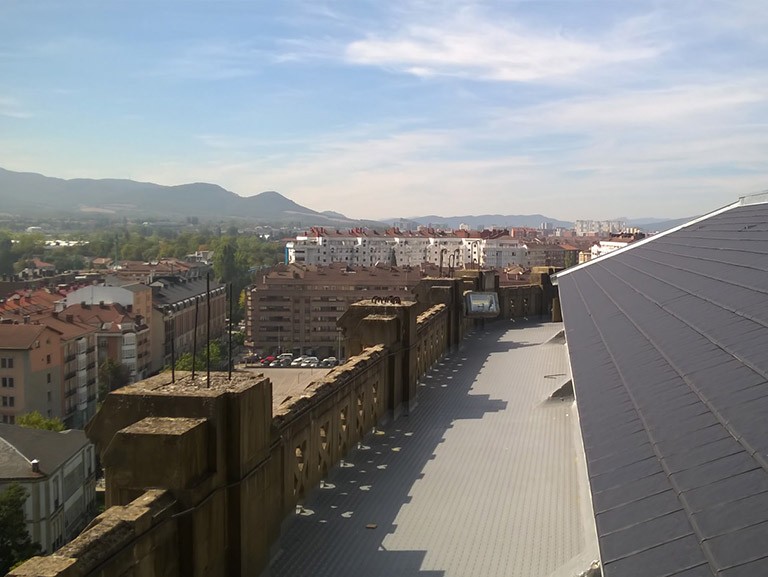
column 112, row 376
column 35, row 420
column 184, row 362
column 15, row 543
column 225, row 261
column 7, row 257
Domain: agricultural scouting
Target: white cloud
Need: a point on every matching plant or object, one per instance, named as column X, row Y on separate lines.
column 645, row 108
column 474, row 46
column 12, row 108
column 650, row 153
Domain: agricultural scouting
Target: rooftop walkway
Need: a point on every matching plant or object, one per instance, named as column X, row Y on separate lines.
column 485, row 478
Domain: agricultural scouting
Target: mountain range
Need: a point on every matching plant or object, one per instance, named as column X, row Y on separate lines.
column 30, row 194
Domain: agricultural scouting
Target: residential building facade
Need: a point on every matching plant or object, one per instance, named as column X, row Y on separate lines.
column 58, row 470
column 294, row 308
column 30, row 371
column 121, row 336
column 70, row 371
column 458, row 249
column 180, row 310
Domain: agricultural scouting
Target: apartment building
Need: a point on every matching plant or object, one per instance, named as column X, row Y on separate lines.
column 122, row 315
column 77, row 344
column 58, row 470
column 362, row 247
column 180, row 305
column 122, row 336
column 30, row 371
column 599, row 227
column 147, row 272
column 615, row 242
column 48, row 364
column 69, row 388
column 294, row 308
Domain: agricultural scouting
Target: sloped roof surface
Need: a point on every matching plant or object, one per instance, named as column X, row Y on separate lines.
column 50, row 448
column 669, row 349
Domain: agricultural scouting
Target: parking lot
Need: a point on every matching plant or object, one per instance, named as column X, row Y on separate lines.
column 287, row 382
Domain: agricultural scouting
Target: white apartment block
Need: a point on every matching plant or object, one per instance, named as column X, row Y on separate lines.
column 369, row 250
column 599, row 227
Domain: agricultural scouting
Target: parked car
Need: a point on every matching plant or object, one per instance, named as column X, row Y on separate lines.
column 285, row 362
column 329, row 362
column 297, row 361
column 310, row 362
column 282, row 356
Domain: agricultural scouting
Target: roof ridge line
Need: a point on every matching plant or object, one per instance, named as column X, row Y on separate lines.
column 646, row 240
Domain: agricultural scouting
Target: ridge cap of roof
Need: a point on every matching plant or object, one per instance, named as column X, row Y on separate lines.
column 15, row 449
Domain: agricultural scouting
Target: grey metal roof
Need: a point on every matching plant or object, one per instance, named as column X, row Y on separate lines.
column 176, row 292
column 668, row 343
column 484, row 478
column 20, row 445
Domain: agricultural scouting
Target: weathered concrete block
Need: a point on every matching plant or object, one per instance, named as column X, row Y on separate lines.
column 171, row 453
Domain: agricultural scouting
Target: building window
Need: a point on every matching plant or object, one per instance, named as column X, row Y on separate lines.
column 7, row 382
column 49, row 378
column 9, row 401
column 6, row 362
column 48, row 359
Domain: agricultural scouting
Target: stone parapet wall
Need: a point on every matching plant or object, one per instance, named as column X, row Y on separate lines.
column 318, row 429
column 432, row 343
column 523, row 301
column 139, row 539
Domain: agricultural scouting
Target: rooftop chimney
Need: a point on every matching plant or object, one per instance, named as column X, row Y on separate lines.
column 35, row 466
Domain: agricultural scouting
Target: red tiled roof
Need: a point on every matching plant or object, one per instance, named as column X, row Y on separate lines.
column 19, row 337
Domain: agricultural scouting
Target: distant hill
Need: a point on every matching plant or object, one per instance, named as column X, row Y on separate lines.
column 488, row 220
column 31, row 194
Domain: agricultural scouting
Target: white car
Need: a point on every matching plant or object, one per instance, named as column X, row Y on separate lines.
column 297, row 361
column 310, row 362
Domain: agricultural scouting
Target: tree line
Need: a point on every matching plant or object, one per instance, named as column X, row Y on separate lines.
column 243, row 252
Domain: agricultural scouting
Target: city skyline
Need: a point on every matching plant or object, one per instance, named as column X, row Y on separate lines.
column 587, row 109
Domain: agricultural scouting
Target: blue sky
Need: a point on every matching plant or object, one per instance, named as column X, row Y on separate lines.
column 573, row 109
